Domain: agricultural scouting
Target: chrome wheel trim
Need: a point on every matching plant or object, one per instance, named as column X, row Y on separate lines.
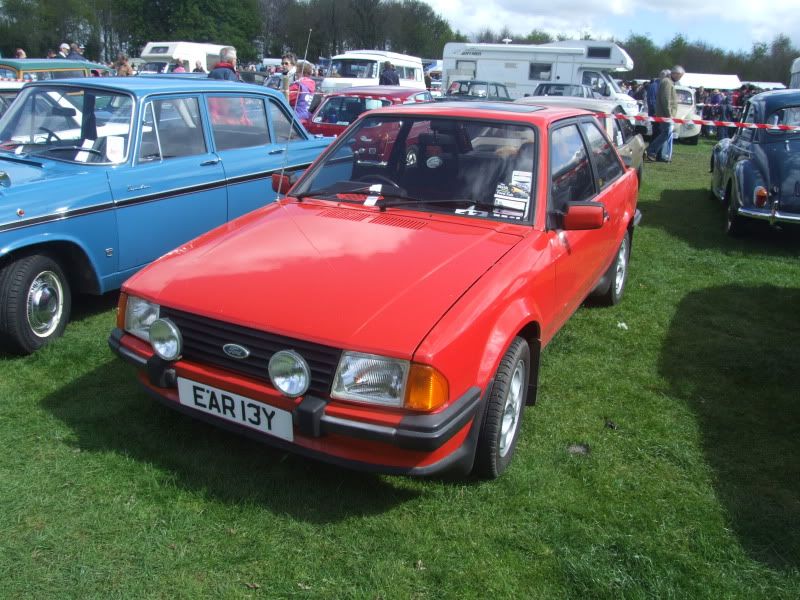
column 512, row 409
column 411, row 158
column 622, row 267
column 45, row 304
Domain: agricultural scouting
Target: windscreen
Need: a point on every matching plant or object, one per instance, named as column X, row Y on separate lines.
column 477, row 169
column 343, row 110
column 354, row 68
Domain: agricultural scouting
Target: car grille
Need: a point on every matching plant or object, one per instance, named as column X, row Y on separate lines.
column 203, row 339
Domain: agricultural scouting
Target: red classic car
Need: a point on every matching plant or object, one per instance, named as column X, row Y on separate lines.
column 338, row 110
column 386, row 314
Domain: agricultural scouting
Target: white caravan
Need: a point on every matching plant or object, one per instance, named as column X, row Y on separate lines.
column 363, row 67
column 521, row 67
column 794, row 74
column 161, row 57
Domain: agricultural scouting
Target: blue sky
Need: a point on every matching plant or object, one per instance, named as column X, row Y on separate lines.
column 730, row 25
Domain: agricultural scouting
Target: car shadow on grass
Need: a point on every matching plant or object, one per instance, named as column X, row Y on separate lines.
column 733, row 353
column 109, row 412
column 88, row 305
column 698, row 219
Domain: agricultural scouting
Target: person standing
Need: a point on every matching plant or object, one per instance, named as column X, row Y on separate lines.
column 301, row 92
column 666, row 106
column 179, row 68
column 75, row 52
column 122, row 66
column 198, row 67
column 20, row 53
column 63, row 50
column 388, row 75
column 226, row 67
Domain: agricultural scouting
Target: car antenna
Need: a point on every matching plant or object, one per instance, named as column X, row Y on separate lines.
column 294, row 113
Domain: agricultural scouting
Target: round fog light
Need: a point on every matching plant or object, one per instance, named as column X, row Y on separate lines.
column 166, row 339
column 289, row 373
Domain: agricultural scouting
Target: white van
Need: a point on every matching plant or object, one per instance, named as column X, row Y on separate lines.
column 521, row 67
column 161, row 57
column 363, row 67
column 794, row 74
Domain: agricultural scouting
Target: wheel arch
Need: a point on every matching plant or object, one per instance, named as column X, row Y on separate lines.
column 78, row 266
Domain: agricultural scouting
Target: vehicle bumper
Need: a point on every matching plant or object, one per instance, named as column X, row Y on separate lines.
column 412, row 444
column 773, row 216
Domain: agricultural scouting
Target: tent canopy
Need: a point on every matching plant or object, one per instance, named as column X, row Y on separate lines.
column 711, row 81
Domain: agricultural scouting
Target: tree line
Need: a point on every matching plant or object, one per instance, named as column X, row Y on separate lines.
column 325, row 28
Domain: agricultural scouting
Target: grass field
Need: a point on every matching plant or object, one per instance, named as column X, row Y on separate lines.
column 694, row 494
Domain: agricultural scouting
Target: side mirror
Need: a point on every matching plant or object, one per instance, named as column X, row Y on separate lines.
column 627, row 159
column 281, row 183
column 584, row 215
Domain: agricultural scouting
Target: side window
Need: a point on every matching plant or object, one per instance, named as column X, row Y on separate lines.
column 7, row 73
column 282, row 125
column 493, row 90
column 604, row 156
column 570, row 173
column 172, row 128
column 543, row 71
column 238, row 122
column 595, row 81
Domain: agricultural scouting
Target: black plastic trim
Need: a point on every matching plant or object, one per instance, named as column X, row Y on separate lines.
column 115, row 343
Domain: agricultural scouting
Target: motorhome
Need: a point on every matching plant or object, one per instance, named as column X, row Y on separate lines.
column 794, row 74
column 521, row 67
column 163, row 57
column 363, row 67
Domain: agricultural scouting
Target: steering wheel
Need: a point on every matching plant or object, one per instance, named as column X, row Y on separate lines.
column 376, row 178
column 50, row 135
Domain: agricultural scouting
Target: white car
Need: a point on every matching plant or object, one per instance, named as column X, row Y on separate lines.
column 688, row 133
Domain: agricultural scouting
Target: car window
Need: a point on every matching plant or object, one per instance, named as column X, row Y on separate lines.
column 596, row 82
column 570, row 172
column 789, row 115
column 743, row 133
column 684, row 97
column 605, row 158
column 282, row 125
column 7, row 73
column 343, row 110
column 172, row 128
column 238, row 122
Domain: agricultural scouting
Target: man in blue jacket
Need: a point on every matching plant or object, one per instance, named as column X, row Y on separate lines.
column 226, row 67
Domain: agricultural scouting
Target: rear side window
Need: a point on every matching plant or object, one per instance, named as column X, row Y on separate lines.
column 570, row 172
column 604, row 156
column 171, row 129
column 238, row 122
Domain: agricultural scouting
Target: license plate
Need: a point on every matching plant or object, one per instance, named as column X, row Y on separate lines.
column 235, row 408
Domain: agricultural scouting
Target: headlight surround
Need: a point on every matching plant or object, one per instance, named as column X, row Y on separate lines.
column 289, row 373
column 370, row 378
column 139, row 315
column 166, row 339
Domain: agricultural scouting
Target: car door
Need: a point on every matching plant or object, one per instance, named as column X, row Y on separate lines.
column 175, row 188
column 240, row 130
column 579, row 255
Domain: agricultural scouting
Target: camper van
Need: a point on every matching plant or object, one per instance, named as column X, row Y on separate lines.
column 794, row 75
column 521, row 67
column 162, row 57
column 363, row 67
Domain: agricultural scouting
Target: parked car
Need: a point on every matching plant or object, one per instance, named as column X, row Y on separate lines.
column 621, row 132
column 338, row 110
column 470, row 89
column 566, row 89
column 42, row 69
column 687, row 133
column 756, row 173
column 385, row 315
column 9, row 89
column 101, row 176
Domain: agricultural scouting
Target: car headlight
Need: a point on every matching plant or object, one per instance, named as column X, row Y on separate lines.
column 166, row 339
column 289, row 373
column 139, row 315
column 374, row 379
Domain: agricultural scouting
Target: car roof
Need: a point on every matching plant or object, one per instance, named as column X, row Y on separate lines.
column 769, row 102
column 593, row 104
column 141, row 86
column 47, row 64
column 504, row 111
column 389, row 91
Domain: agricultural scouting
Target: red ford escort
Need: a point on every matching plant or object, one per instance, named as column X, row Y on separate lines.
column 389, row 314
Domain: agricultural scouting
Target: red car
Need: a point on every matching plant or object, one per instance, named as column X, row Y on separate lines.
column 389, row 315
column 338, row 110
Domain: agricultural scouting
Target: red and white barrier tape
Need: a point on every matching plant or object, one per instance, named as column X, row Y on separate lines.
column 642, row 118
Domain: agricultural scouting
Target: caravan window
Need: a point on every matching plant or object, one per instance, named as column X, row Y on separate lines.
column 543, row 71
column 355, row 68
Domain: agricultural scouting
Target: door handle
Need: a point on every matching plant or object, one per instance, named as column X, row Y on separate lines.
column 208, row 163
column 277, row 151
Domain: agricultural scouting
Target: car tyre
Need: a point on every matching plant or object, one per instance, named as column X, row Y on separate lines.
column 616, row 277
column 735, row 225
column 692, row 141
column 35, row 303
column 497, row 439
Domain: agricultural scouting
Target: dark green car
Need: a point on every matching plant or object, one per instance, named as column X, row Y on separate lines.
column 43, row 69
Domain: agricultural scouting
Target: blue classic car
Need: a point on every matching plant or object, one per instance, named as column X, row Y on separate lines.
column 98, row 177
column 756, row 173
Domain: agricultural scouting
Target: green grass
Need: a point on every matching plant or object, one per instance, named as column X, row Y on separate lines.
column 695, row 494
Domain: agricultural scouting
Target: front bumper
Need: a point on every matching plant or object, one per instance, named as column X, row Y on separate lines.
column 414, row 444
